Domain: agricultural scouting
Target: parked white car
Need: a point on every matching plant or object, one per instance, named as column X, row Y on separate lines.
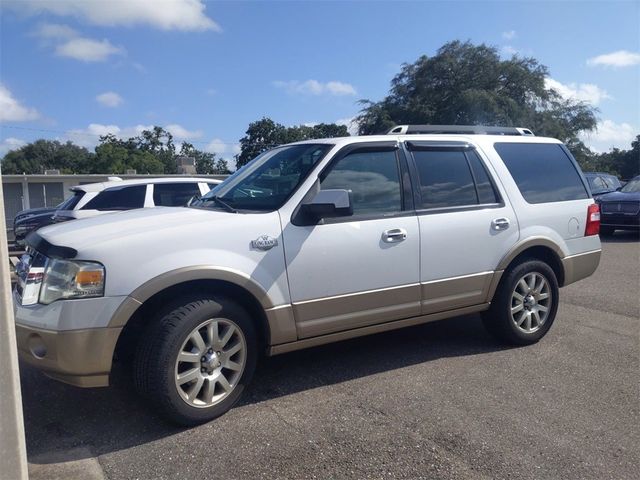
column 116, row 195
column 310, row 243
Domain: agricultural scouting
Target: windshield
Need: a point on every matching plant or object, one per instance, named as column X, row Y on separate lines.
column 265, row 183
column 72, row 201
column 632, row 186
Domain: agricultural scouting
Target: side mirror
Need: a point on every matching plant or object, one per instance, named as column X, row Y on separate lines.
column 329, row 204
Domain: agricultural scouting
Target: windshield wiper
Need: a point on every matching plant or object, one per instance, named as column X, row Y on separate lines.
column 223, row 204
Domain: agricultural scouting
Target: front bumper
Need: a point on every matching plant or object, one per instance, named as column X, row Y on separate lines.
column 79, row 357
column 70, row 340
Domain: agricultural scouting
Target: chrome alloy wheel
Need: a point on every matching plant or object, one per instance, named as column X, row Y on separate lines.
column 531, row 302
column 210, row 362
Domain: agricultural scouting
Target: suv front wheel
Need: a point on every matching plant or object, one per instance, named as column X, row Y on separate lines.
column 525, row 305
column 196, row 358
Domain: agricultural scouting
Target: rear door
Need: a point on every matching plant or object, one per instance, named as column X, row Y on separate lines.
column 466, row 226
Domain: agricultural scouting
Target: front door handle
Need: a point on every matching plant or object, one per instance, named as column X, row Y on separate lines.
column 394, row 235
column 500, row 223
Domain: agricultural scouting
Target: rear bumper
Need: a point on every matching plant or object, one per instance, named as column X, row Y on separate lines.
column 620, row 221
column 79, row 357
column 582, row 265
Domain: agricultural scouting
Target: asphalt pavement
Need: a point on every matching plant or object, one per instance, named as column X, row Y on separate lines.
column 437, row 401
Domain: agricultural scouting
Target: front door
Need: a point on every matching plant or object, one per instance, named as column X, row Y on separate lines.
column 350, row 272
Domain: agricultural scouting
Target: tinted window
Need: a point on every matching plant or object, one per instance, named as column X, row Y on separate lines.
column 597, row 184
column 373, row 179
column 71, row 202
column 542, row 171
column 486, row 192
column 122, row 198
column 267, row 181
column 445, row 179
column 174, row 194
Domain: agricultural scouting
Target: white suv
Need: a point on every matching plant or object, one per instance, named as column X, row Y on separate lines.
column 310, row 243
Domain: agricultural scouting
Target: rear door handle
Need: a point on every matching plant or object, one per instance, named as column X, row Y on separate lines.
column 500, row 223
column 394, row 235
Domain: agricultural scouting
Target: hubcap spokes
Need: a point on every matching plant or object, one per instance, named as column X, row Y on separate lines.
column 210, row 362
column 530, row 302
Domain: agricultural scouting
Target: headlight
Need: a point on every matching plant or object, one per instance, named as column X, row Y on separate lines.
column 64, row 279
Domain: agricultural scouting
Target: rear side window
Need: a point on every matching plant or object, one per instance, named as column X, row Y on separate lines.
column 122, row 198
column 452, row 178
column 174, row 194
column 543, row 172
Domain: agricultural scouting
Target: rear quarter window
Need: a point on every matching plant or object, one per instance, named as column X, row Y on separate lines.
column 542, row 171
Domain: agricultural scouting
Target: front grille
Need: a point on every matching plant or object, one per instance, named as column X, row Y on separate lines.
column 629, row 208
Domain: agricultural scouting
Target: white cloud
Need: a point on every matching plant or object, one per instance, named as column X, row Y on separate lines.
column 178, row 131
column 11, row 110
column 87, row 49
column 90, row 136
column 314, row 87
column 510, row 35
column 9, row 144
column 350, row 123
column 584, row 92
column 186, row 15
column 222, row 149
column 610, row 134
column 109, row 99
column 509, row 50
column 54, row 31
column 619, row 59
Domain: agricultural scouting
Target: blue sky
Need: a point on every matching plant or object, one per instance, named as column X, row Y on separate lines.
column 75, row 69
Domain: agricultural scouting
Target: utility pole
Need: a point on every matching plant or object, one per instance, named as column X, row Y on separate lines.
column 13, row 451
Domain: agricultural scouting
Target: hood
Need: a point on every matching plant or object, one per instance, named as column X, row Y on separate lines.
column 36, row 219
column 619, row 197
column 35, row 211
column 146, row 224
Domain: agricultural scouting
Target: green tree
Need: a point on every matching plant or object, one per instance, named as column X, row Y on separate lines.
column 117, row 156
column 159, row 142
column 265, row 134
column 465, row 84
column 623, row 163
column 41, row 155
column 206, row 162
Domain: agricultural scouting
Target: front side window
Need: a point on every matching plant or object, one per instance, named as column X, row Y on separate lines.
column 174, row 194
column 119, row 198
column 267, row 181
column 542, row 171
column 373, row 179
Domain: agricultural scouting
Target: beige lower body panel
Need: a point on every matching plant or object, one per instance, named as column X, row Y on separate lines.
column 346, row 312
column 458, row 292
column 381, row 327
column 582, row 265
column 79, row 357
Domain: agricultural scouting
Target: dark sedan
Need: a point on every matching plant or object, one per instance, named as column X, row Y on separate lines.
column 621, row 210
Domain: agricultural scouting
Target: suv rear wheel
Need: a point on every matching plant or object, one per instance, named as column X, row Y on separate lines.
column 196, row 358
column 525, row 305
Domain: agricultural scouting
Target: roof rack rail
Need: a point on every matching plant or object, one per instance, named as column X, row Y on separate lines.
column 459, row 129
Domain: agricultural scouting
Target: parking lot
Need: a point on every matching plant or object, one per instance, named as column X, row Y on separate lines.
column 440, row 400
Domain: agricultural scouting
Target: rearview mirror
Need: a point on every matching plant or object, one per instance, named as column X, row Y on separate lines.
column 329, row 204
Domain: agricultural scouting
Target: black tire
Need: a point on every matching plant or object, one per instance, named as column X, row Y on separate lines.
column 498, row 319
column 154, row 368
column 606, row 231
